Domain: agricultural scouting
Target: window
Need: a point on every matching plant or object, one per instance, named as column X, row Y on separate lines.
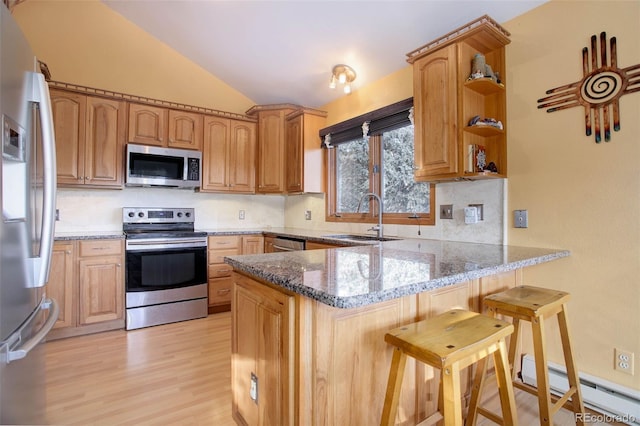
column 381, row 163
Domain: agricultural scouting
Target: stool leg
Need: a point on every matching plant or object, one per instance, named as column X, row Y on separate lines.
column 572, row 371
column 476, row 391
column 542, row 370
column 505, row 386
column 513, row 347
column 394, row 386
column 452, row 396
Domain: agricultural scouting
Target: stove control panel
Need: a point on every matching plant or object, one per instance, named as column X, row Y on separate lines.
column 157, row 215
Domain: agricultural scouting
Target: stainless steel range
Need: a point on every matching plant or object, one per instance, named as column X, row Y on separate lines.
column 165, row 266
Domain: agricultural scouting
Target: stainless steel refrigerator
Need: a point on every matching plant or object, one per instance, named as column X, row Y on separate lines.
column 28, row 193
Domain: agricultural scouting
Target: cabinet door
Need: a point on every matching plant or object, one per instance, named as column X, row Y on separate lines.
column 215, row 154
column 61, row 280
column 263, row 343
column 220, row 291
column 242, row 157
column 105, row 139
column 271, row 151
column 69, row 126
column 293, row 154
column 147, row 125
column 435, row 114
column 253, row 244
column 101, row 289
column 185, row 130
column 268, row 245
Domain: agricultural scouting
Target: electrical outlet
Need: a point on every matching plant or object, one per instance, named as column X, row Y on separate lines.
column 307, row 215
column 241, row 215
column 623, row 361
column 446, row 211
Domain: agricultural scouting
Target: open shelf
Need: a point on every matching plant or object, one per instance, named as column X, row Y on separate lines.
column 484, row 86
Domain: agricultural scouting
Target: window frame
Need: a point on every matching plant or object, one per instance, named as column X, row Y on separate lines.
column 375, row 186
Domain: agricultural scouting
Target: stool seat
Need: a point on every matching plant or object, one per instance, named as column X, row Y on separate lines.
column 450, row 342
column 536, row 305
column 448, row 338
column 528, row 301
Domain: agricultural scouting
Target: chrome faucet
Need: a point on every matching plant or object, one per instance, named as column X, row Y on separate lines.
column 377, row 228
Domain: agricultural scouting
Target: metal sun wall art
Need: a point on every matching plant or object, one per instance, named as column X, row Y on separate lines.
column 599, row 90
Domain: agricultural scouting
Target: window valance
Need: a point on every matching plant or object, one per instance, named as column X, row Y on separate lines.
column 376, row 122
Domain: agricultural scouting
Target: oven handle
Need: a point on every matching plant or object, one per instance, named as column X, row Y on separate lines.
column 151, row 245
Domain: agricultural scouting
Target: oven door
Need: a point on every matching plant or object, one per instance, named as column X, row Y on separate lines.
column 162, row 265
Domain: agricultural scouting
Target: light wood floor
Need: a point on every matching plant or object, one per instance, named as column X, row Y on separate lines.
column 174, row 374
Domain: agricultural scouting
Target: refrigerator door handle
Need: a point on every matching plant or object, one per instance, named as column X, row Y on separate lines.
column 24, row 349
column 41, row 96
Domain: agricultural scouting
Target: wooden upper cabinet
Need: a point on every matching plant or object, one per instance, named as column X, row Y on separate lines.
column 215, row 154
column 90, row 136
column 303, row 155
column 154, row 125
column 105, row 136
column 229, row 155
column 147, row 125
column 271, row 146
column 446, row 99
column 271, row 151
column 185, row 130
column 435, row 114
column 242, row 157
column 69, row 111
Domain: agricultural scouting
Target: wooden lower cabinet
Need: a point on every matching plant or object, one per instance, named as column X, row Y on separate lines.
column 311, row 245
column 341, row 361
column 61, row 282
column 262, row 354
column 87, row 281
column 219, row 273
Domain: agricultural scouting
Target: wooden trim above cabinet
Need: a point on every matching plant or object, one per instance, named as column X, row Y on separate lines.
column 488, row 34
column 144, row 100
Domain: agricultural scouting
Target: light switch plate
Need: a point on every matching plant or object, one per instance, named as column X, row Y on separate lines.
column 446, row 211
column 520, row 219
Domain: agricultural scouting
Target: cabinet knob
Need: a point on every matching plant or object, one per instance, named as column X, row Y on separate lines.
column 67, row 252
column 118, row 265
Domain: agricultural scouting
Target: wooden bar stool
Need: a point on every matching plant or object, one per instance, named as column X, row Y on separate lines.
column 535, row 305
column 450, row 342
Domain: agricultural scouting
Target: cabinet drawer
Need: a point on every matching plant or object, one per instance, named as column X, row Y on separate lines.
column 100, row 248
column 217, row 256
column 224, row 242
column 220, row 291
column 217, row 271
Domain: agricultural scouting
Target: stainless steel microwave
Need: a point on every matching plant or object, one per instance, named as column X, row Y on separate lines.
column 169, row 167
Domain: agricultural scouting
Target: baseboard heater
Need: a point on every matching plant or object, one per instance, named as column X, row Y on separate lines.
column 615, row 402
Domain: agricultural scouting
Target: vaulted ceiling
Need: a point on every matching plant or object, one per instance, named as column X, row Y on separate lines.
column 283, row 51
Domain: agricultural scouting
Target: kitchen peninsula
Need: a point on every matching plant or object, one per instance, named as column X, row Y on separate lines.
column 308, row 326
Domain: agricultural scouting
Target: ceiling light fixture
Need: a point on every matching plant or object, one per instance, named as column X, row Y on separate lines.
column 344, row 75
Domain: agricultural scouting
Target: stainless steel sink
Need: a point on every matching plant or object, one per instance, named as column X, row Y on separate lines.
column 355, row 237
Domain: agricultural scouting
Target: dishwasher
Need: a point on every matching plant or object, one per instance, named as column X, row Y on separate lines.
column 287, row 244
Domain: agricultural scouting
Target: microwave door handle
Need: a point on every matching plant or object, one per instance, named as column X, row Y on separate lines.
column 40, row 95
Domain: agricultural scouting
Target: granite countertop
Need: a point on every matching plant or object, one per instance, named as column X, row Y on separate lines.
column 88, row 235
column 350, row 277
